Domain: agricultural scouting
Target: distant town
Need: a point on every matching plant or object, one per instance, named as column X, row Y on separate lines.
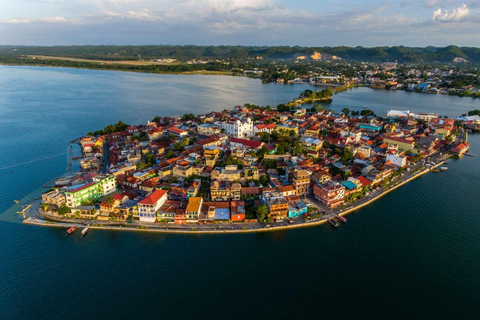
column 250, row 168
column 450, row 70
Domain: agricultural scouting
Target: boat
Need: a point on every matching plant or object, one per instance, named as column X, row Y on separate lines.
column 444, row 168
column 344, row 220
column 435, row 170
column 16, row 201
column 84, row 231
column 334, row 222
column 69, row 231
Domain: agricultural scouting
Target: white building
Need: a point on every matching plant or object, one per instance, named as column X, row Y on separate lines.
column 398, row 114
column 238, row 129
column 397, row 159
column 149, row 206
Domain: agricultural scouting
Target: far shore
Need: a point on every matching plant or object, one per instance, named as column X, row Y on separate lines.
column 194, row 229
column 199, row 72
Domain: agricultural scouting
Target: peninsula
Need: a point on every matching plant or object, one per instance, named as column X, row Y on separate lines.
column 249, row 169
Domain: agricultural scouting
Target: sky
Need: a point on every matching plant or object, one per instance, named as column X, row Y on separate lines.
column 241, row 22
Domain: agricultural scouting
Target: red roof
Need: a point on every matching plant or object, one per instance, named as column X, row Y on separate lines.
column 175, row 130
column 154, row 197
column 364, row 181
column 247, row 143
column 83, row 187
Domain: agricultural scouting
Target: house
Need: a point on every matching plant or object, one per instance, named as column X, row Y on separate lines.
column 228, row 173
column 183, row 170
column 243, row 143
column 177, row 131
column 211, row 156
column 193, row 188
column 403, row 144
column 461, row 148
column 208, row 129
column 268, row 128
column 237, row 211
column 54, row 197
column 169, row 209
column 148, row 207
column 330, row 193
column 287, row 190
column 211, row 141
column 398, row 159
column 301, row 181
column 193, row 209
column 277, row 205
column 225, row 191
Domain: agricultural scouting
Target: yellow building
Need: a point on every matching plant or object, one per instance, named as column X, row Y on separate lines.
column 211, row 156
column 403, row 144
column 301, row 181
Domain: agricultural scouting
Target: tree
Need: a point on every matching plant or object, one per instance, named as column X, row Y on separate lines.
column 262, row 212
column 261, row 153
column 367, row 113
column 64, row 209
column 170, row 154
column 264, row 180
column 346, row 111
column 179, row 146
column 347, row 156
column 188, row 116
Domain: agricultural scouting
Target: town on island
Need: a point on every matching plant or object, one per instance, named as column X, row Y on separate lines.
column 249, row 169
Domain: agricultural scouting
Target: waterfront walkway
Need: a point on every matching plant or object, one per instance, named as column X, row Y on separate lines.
column 56, row 221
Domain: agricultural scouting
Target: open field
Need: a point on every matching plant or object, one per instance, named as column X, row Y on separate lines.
column 124, row 62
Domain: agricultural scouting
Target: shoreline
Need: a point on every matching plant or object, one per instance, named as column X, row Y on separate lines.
column 200, row 73
column 193, row 230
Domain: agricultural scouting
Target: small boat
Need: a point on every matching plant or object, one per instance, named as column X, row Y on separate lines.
column 334, row 222
column 344, row 220
column 84, row 231
column 444, row 168
column 16, row 201
column 435, row 170
column 69, row 231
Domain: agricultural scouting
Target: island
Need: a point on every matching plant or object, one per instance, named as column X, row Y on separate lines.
column 248, row 169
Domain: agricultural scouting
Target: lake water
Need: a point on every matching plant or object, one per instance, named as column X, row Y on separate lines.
column 413, row 253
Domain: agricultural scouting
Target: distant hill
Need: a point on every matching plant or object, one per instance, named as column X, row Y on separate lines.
column 374, row 54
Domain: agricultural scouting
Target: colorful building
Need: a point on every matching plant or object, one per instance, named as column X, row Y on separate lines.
column 148, row 207
column 330, row 193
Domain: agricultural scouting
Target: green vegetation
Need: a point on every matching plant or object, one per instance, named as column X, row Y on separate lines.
column 119, row 53
column 475, row 112
column 147, row 161
column 188, row 116
column 64, row 209
column 109, row 128
column 262, row 212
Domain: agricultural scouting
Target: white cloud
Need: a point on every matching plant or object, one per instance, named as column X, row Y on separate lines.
column 456, row 15
column 57, row 19
column 17, row 21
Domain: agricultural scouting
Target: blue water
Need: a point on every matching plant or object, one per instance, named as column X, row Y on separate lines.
column 414, row 253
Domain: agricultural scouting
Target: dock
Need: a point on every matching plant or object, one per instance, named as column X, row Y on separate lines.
column 470, row 155
column 24, row 208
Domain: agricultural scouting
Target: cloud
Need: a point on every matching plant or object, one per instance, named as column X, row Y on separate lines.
column 456, row 15
column 57, row 19
column 17, row 21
